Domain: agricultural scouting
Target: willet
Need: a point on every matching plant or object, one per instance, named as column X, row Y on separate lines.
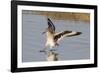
column 53, row 38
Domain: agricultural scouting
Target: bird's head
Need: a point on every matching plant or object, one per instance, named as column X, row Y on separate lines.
column 44, row 31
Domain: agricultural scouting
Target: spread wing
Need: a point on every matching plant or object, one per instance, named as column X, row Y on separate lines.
column 59, row 36
column 51, row 25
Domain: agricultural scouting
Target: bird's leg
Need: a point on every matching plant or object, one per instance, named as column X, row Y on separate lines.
column 57, row 44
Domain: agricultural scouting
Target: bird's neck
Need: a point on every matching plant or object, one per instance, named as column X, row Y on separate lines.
column 50, row 35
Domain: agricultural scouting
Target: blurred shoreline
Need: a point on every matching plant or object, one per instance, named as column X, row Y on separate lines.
column 62, row 15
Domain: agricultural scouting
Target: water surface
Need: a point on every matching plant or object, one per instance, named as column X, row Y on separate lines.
column 70, row 48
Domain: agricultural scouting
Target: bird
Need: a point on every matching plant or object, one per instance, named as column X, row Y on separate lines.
column 53, row 38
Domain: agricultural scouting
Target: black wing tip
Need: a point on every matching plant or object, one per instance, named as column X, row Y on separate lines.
column 78, row 33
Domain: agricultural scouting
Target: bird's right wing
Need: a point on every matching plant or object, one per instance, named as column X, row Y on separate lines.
column 59, row 36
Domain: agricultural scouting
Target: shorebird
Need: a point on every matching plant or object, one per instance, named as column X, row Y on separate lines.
column 53, row 38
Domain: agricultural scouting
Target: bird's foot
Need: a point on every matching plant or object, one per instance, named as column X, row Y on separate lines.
column 42, row 50
column 53, row 50
column 57, row 44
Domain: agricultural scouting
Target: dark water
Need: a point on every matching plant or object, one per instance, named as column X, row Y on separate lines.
column 71, row 48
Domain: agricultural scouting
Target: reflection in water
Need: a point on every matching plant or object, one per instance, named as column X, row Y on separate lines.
column 51, row 55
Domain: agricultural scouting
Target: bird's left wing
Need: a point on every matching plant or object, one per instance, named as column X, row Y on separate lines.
column 51, row 25
column 59, row 36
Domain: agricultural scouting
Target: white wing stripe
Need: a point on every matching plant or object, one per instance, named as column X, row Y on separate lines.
column 65, row 35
